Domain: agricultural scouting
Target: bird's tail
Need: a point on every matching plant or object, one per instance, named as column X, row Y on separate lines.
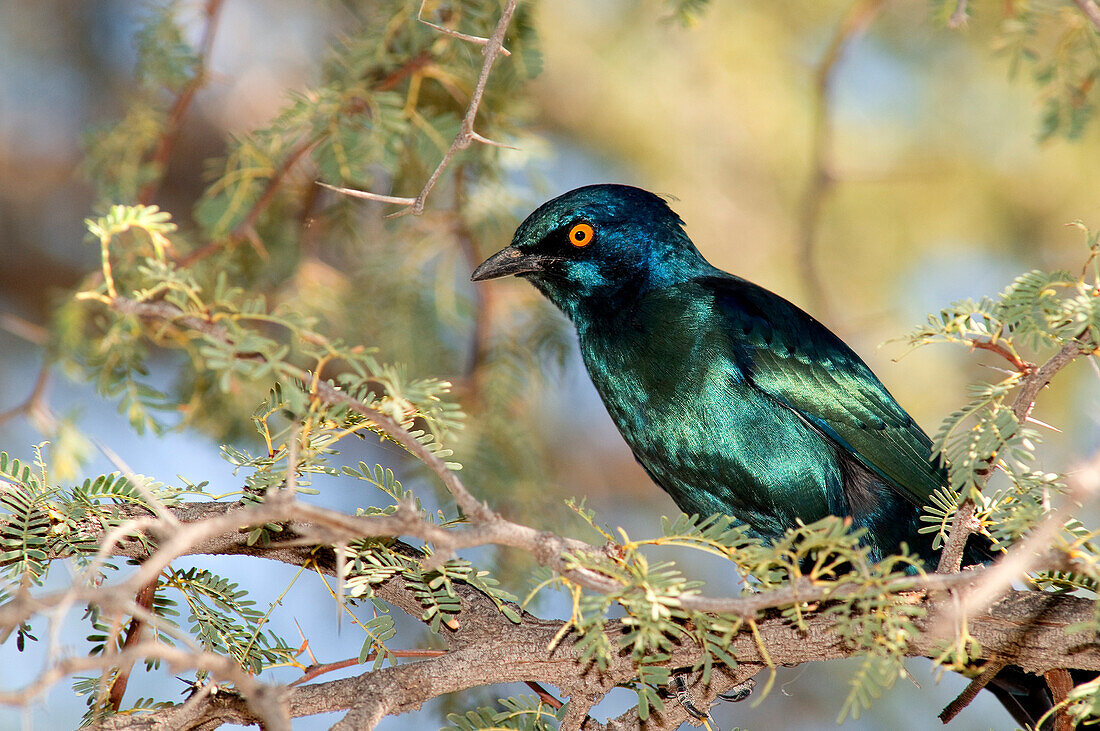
column 1024, row 695
column 1027, row 697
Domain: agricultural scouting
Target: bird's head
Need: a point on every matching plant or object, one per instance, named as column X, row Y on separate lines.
column 595, row 243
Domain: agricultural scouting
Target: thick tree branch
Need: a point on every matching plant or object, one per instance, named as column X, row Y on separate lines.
column 1027, row 628
column 517, row 653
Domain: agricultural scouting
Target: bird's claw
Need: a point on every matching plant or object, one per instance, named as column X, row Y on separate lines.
column 683, row 697
column 739, row 692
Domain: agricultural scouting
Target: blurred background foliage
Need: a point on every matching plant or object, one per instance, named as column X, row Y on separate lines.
column 952, row 160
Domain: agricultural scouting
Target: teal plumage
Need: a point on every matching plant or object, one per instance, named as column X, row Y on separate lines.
column 733, row 399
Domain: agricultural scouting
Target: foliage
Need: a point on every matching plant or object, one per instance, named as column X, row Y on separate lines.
column 524, row 713
column 1062, row 49
column 1037, row 312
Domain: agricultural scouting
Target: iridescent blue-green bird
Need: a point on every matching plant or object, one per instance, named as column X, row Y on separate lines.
column 733, row 399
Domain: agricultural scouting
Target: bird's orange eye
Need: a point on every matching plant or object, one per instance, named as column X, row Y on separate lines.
column 581, row 235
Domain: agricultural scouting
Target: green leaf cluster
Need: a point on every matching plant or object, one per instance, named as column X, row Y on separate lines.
column 1037, row 313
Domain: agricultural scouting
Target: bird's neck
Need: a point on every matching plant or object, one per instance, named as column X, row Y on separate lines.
column 654, row 323
column 609, row 298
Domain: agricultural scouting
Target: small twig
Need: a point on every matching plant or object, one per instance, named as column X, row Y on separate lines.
column 1091, row 11
column 964, row 699
column 962, row 525
column 134, row 634
column 544, row 695
column 316, row 670
column 365, row 195
column 492, row 47
column 462, row 140
column 290, row 486
column 34, row 400
column 957, row 20
column 1021, row 365
column 454, row 33
column 24, row 328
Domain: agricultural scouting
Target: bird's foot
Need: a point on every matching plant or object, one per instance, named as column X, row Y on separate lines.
column 739, row 692
column 683, row 696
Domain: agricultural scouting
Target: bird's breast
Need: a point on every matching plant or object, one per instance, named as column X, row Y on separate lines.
column 703, row 432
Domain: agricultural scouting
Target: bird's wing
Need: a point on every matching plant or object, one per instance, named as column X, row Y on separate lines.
column 796, row 360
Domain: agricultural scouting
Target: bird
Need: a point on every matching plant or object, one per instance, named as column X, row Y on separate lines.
column 734, row 400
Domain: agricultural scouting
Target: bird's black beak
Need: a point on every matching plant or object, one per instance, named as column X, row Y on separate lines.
column 508, row 260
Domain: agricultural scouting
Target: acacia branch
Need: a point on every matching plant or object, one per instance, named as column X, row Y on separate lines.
column 967, row 696
column 493, row 47
column 486, row 525
column 486, row 648
column 1021, row 365
column 134, row 634
column 489, row 527
column 454, row 33
column 1032, row 382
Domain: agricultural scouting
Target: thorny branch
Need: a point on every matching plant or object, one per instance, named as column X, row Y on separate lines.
column 1034, row 379
column 489, row 527
column 967, row 696
column 491, row 49
column 486, row 648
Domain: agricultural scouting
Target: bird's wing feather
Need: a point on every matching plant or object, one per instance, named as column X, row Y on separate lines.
column 797, row 361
